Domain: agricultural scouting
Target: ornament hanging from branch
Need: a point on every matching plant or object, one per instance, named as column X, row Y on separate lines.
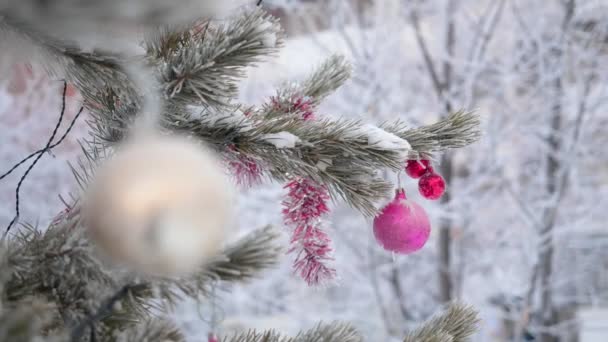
column 402, row 225
column 416, row 168
column 430, row 184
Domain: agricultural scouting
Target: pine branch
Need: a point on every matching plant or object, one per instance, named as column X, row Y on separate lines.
column 254, row 336
column 240, row 262
column 456, row 324
column 151, row 330
column 246, row 258
column 58, row 265
column 327, row 78
column 25, row 321
column 91, row 73
column 333, row 332
column 457, row 130
column 105, row 310
column 439, row 337
column 323, row 81
column 202, row 66
column 335, row 153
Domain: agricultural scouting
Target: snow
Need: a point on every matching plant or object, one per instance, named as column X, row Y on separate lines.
column 382, row 139
column 269, row 40
column 214, row 118
column 269, row 34
column 282, row 139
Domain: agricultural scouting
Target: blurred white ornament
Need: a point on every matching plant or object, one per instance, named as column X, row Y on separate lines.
column 161, row 205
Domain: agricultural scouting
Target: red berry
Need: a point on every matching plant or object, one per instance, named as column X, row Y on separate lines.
column 431, row 186
column 416, row 168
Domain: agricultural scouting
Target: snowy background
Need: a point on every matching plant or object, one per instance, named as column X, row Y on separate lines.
column 502, row 216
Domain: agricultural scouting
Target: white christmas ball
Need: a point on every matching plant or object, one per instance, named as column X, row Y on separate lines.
column 160, row 205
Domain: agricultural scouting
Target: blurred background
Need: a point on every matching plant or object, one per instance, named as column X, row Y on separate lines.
column 521, row 233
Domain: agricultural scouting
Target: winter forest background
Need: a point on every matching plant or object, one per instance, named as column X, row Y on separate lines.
column 521, row 234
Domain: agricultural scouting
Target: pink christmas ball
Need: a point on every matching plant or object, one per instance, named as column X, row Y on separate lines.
column 402, row 226
column 416, row 168
column 431, row 186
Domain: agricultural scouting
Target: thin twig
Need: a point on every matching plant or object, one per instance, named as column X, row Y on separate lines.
column 428, row 60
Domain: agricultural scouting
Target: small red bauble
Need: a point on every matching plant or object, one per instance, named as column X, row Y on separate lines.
column 431, row 186
column 402, row 226
column 212, row 338
column 416, row 168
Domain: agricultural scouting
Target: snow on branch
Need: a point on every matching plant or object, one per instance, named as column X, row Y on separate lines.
column 335, row 153
column 345, row 155
column 282, row 139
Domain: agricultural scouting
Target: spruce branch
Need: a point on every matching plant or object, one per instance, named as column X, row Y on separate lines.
column 456, row 324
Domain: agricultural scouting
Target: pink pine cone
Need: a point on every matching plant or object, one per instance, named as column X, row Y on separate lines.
column 402, row 226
